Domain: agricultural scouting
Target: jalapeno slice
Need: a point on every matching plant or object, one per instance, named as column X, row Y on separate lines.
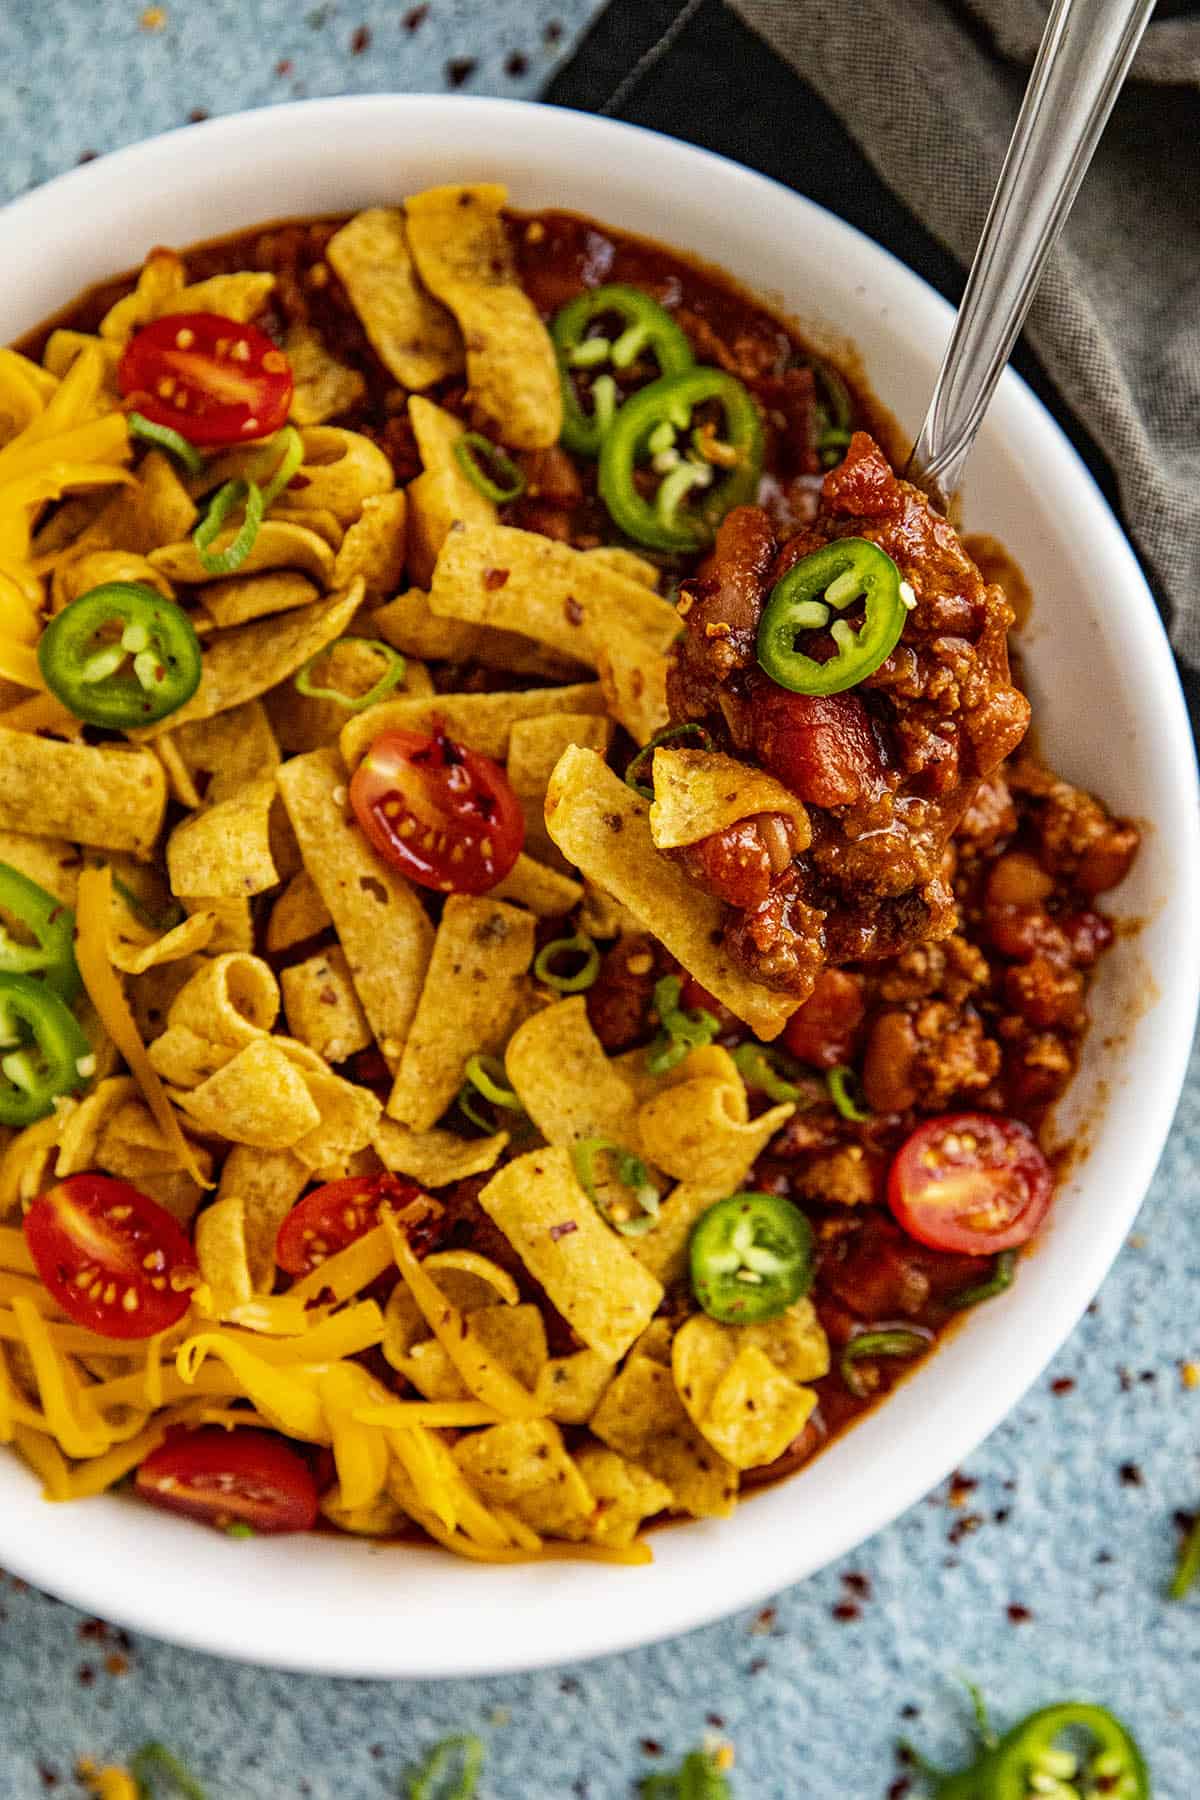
column 719, row 467
column 751, row 1258
column 1083, row 1747
column 647, row 327
column 43, row 1052
column 121, row 656
column 48, row 950
column 835, row 577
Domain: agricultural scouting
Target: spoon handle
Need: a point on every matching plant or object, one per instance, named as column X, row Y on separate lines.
column 1084, row 57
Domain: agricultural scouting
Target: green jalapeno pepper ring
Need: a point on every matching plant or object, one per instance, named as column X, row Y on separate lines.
column 664, row 523
column 1032, row 1752
column 52, row 927
column 833, row 578
column 42, row 1048
column 751, row 1257
column 647, row 326
column 121, row 656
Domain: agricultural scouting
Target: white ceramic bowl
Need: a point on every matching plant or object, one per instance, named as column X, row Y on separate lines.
column 1109, row 713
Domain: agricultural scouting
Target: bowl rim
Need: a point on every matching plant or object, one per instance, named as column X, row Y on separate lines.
column 576, row 1617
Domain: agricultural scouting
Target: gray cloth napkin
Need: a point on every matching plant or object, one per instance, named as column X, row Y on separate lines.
column 930, row 92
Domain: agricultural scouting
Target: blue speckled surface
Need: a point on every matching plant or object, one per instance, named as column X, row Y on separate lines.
column 812, row 1700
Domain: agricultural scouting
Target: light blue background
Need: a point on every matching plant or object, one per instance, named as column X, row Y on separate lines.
column 811, row 1701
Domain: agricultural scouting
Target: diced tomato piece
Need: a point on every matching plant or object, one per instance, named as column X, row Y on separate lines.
column 820, row 746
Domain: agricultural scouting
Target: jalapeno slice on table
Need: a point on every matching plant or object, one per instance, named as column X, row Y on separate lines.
column 833, row 578
column 121, row 656
column 751, row 1258
column 646, row 328
column 47, row 948
column 1072, row 1750
column 716, row 467
column 43, row 1051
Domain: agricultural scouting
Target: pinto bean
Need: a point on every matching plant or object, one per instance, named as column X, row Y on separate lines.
column 890, row 1064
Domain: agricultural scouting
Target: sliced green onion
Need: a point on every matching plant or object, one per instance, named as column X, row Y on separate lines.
column 1187, row 1570
column 155, row 1760
column 578, row 945
column 457, row 1761
column 291, row 447
column 630, row 1171
column 1003, row 1276
column 393, row 675
column 469, row 1110
column 870, row 1344
column 488, row 1075
column 166, row 920
column 240, row 1529
column 766, row 1071
column 846, row 1094
column 510, row 480
column 226, row 500
column 681, row 1031
column 162, row 435
column 646, row 753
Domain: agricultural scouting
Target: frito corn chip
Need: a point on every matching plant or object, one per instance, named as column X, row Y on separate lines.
column 642, row 1417
column 407, row 623
column 568, row 1086
column 735, row 1394
column 634, row 679
column 241, row 664
column 81, row 1123
column 341, row 470
column 523, row 1465
column 240, row 598
column 224, row 850
column 348, row 1117
column 601, row 826
column 257, row 1098
column 414, row 337
column 624, row 1494
column 280, row 544
column 545, row 891
column 225, row 753
column 374, row 546
column 322, row 1008
column 52, row 862
column 467, row 1005
column 461, row 249
column 158, row 510
column 221, row 1253
column 108, row 796
column 569, row 1387
column 535, row 745
column 443, row 495
column 323, row 387
column 381, row 924
column 699, row 792
column 233, row 999
column 436, row 1159
column 521, row 581
column 604, row 1295
column 481, row 721
column 698, row 1131
column 299, row 913
column 268, row 1183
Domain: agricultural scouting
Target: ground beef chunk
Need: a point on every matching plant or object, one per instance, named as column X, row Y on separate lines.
column 990, row 815
column 1079, row 838
column 845, row 1177
column 889, row 770
column 955, row 1058
column 955, row 968
column 620, row 1000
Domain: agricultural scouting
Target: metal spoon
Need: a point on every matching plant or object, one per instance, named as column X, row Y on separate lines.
column 1083, row 59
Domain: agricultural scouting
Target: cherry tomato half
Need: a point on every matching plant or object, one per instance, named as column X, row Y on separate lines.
column 209, row 378
column 239, row 1477
column 110, row 1256
column 333, row 1216
column 443, row 815
column 970, row 1182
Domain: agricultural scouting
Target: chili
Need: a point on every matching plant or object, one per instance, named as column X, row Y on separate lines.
column 50, row 925
column 121, row 656
column 833, row 578
column 647, row 327
column 751, row 1257
column 648, row 425
column 43, row 1051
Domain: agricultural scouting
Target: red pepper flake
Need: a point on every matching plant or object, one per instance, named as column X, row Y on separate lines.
column 516, row 64
column 715, row 1720
column 764, row 1623
column 553, row 32
column 651, row 1747
column 564, row 1230
column 198, row 115
column 85, row 1674
column 961, row 1528
column 1130, row 1474
column 49, row 1777
column 116, row 1664
column 415, row 17
column 900, row 1788
column 86, row 156
column 1064, row 1385
column 494, row 578
column 361, row 40
column 1019, row 1615
column 284, row 66
column 961, row 1487
column 459, row 70
column 857, row 1584
column 846, row 1611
